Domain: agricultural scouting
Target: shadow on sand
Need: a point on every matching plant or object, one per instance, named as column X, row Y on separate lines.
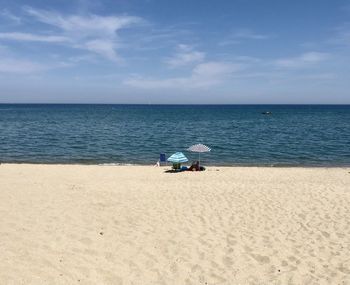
column 174, row 171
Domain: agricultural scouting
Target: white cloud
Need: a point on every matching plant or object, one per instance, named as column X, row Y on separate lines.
column 83, row 26
column 32, row 37
column 97, row 34
column 204, row 75
column 304, row 60
column 185, row 55
column 8, row 15
column 102, row 47
column 243, row 34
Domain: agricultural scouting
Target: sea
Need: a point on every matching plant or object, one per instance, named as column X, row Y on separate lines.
column 292, row 135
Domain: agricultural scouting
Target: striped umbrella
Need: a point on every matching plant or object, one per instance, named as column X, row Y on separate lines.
column 200, row 148
column 178, row 157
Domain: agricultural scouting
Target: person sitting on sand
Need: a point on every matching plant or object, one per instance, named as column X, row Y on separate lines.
column 194, row 166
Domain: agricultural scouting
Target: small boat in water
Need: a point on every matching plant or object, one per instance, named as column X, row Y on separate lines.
column 267, row 113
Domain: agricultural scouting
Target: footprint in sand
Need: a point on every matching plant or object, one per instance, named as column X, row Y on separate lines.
column 344, row 269
column 227, row 261
column 261, row 258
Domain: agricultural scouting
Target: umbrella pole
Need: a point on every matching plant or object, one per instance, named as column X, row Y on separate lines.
column 199, row 160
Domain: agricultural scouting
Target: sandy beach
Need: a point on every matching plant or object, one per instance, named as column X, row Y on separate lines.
column 75, row 224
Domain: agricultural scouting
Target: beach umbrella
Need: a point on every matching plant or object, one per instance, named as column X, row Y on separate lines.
column 178, row 157
column 200, row 148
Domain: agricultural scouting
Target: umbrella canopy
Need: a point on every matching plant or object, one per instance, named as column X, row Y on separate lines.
column 199, row 148
column 178, row 157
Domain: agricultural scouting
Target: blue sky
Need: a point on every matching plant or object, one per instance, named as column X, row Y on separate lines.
column 156, row 51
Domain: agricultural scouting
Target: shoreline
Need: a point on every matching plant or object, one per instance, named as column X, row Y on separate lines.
column 307, row 166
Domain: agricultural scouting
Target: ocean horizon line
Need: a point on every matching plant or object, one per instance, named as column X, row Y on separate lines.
column 187, row 104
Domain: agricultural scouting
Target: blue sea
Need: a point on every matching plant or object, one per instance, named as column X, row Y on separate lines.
column 293, row 135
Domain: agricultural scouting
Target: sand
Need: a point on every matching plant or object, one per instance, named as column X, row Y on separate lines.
column 138, row 225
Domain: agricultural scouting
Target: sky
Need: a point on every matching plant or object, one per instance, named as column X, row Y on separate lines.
column 175, row 52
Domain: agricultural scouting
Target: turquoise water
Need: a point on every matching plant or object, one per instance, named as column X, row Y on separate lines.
column 308, row 135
